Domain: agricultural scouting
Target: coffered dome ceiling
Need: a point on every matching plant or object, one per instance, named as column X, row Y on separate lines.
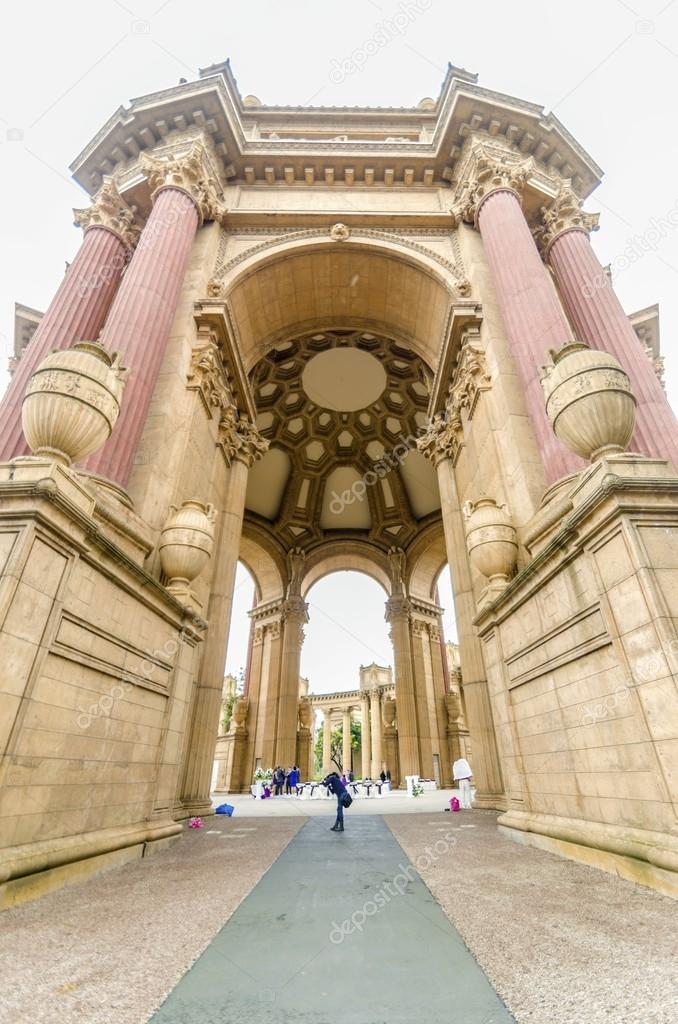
column 341, row 410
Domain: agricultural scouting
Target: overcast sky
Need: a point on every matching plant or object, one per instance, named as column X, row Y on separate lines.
column 608, row 69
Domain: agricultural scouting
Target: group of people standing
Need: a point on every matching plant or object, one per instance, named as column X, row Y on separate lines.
column 288, row 780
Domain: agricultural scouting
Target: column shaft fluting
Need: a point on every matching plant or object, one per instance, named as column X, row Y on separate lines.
column 288, row 700
column 375, row 715
column 600, row 321
column 76, row 313
column 408, row 744
column 486, row 769
column 140, row 319
column 346, row 740
column 207, row 702
column 327, row 740
column 532, row 314
column 365, row 737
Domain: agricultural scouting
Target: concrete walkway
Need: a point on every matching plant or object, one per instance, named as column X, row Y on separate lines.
column 341, row 930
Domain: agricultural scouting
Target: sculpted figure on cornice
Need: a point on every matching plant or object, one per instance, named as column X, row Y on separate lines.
column 564, row 214
column 443, row 437
column 396, row 561
column 296, row 559
column 188, row 172
column 208, row 374
column 239, row 439
column 471, row 377
column 109, row 210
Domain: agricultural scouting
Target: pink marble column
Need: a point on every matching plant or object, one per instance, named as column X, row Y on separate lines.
column 531, row 311
column 140, row 319
column 599, row 320
column 76, row 313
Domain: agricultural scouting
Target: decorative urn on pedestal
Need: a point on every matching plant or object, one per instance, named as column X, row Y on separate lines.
column 491, row 539
column 72, row 402
column 186, row 543
column 589, row 401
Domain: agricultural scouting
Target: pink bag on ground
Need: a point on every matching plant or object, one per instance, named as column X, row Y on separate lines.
column 454, row 804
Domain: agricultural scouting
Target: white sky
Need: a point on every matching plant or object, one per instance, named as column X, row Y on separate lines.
column 608, row 69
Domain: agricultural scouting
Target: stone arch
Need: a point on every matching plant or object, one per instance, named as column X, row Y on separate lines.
column 346, row 556
column 379, row 283
column 427, row 557
column 266, row 566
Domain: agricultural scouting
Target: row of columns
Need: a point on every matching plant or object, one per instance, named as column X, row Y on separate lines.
column 371, row 736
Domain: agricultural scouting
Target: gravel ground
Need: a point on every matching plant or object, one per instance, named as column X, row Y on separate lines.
column 561, row 942
column 107, row 951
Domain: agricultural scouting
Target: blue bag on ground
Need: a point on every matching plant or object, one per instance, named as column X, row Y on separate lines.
column 225, row 809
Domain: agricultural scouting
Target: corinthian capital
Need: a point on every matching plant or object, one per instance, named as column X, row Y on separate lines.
column 189, row 173
column 110, row 211
column 489, row 170
column 443, row 437
column 564, row 214
column 239, row 439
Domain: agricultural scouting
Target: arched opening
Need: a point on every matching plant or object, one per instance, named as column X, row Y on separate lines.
column 347, row 668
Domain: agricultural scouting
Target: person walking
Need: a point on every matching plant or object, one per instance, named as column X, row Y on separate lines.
column 338, row 789
column 462, row 774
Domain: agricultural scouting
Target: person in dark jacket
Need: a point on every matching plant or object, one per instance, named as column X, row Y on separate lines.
column 337, row 788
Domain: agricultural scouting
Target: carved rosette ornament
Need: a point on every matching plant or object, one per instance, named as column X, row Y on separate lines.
column 491, row 539
column 239, row 439
column 110, row 211
column 189, row 173
column 186, row 542
column 564, row 214
column 443, row 438
column 72, row 402
column 490, row 171
column 589, row 401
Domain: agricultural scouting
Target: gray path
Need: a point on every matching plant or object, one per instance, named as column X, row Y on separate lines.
column 281, row 959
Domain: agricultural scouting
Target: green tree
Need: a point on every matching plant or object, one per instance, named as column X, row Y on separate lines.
column 336, row 746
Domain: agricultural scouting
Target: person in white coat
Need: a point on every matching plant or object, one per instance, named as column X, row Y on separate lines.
column 462, row 774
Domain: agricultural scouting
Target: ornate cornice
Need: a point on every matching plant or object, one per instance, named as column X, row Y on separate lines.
column 443, row 437
column 489, row 170
column 110, row 211
column 239, row 439
column 188, row 172
column 208, row 376
column 564, row 214
column 397, row 607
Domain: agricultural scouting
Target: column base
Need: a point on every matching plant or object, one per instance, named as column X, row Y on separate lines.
column 199, row 809
column 646, row 858
column 490, row 801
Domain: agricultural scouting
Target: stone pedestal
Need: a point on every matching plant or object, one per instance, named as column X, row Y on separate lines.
column 305, row 753
column 99, row 661
column 582, row 662
column 230, row 757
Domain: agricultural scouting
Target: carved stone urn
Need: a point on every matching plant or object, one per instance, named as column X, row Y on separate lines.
column 186, row 542
column 589, row 401
column 388, row 712
column 453, row 706
column 305, row 713
column 239, row 714
column 72, row 402
column 491, row 539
